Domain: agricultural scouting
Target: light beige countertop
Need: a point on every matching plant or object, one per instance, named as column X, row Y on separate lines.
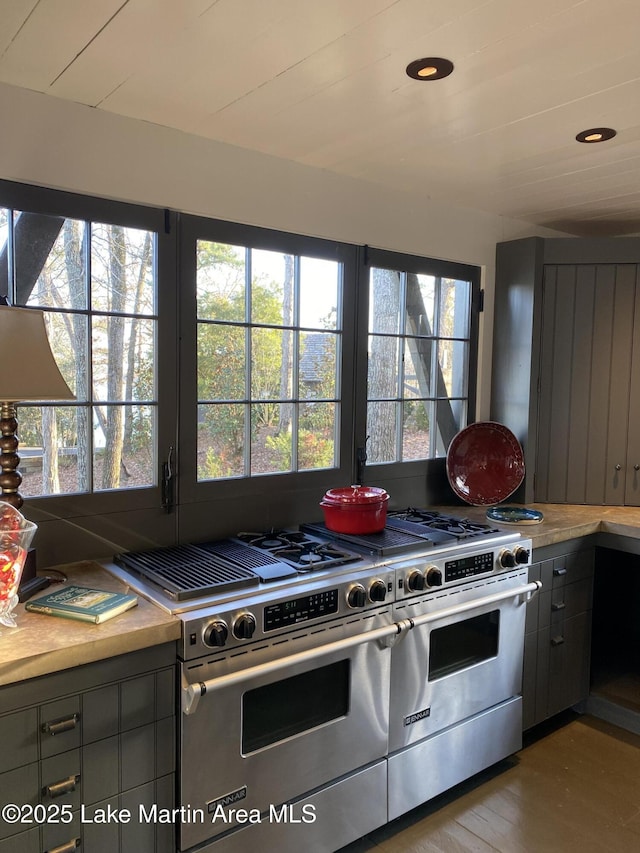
column 564, row 521
column 43, row 644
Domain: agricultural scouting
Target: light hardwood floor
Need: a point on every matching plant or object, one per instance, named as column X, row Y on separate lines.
column 575, row 786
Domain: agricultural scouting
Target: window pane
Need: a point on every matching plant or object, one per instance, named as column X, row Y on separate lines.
column 271, row 364
column 418, row 366
column 221, row 362
column 123, row 454
column 452, row 361
column 317, row 365
column 52, row 460
column 416, row 418
column 122, row 262
column 56, row 272
column 384, row 301
column 382, row 431
column 455, row 307
column 383, row 376
column 221, row 439
column 220, row 281
column 319, row 290
column 420, row 309
column 123, row 358
column 316, row 436
column 69, row 342
column 271, row 445
column 271, row 288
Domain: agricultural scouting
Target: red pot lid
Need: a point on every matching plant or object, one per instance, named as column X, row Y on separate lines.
column 353, row 495
column 485, row 463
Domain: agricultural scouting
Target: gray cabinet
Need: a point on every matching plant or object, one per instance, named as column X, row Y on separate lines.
column 86, row 743
column 558, row 632
column 566, row 374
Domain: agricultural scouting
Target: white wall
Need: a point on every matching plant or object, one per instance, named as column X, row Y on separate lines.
column 68, row 146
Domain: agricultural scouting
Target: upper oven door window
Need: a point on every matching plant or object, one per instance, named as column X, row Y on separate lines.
column 275, row 712
column 463, row 644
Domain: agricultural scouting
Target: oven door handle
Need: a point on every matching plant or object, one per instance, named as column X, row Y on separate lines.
column 526, row 593
column 192, row 693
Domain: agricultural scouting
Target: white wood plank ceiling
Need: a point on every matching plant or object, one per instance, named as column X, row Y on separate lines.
column 324, row 84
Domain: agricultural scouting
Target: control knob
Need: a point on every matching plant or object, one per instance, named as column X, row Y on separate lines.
column 434, row 576
column 378, row 590
column 215, row 634
column 357, row 596
column 522, row 555
column 507, row 559
column 244, row 626
column 416, row 581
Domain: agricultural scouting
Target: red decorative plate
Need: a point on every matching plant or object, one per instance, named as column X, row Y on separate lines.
column 485, row 463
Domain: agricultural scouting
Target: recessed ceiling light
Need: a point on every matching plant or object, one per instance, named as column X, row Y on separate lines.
column 596, row 134
column 431, row 68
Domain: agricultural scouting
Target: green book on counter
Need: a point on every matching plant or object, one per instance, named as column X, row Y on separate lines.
column 83, row 603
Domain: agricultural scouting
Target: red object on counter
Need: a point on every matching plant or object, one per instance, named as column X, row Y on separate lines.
column 355, row 509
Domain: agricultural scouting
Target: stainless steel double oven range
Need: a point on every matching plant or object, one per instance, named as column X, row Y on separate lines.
column 330, row 684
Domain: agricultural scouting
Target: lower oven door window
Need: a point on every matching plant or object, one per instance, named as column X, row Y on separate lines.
column 275, row 712
column 463, row 644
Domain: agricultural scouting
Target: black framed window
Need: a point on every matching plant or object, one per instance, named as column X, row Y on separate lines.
column 267, row 329
column 419, row 320
column 99, row 272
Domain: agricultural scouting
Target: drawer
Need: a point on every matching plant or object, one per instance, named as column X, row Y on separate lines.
column 25, row 842
column 19, row 739
column 61, row 779
column 20, row 786
column 65, row 837
column 100, row 713
column 569, row 600
column 60, row 726
column 567, row 569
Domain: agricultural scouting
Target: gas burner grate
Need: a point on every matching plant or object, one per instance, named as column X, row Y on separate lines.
column 186, row 571
column 436, row 525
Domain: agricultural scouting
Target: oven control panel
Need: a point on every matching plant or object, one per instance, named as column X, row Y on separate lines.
column 264, row 617
column 460, row 565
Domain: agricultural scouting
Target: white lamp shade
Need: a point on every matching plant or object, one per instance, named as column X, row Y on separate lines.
column 30, row 371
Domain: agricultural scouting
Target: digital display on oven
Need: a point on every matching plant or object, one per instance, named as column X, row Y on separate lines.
column 300, row 609
column 466, row 567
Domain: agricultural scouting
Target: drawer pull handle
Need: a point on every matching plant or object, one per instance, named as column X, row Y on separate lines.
column 65, row 848
column 559, row 605
column 559, row 572
column 57, row 727
column 64, row 786
column 557, row 641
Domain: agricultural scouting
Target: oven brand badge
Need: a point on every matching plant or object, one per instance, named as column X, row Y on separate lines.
column 419, row 715
column 227, row 800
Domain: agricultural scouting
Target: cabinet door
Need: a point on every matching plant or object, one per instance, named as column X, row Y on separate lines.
column 569, row 646
column 585, row 394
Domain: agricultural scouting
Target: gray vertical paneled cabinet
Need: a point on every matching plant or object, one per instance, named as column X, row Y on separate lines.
column 566, row 375
column 557, row 649
column 83, row 744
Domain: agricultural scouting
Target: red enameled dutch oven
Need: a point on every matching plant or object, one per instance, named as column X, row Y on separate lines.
column 355, row 509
